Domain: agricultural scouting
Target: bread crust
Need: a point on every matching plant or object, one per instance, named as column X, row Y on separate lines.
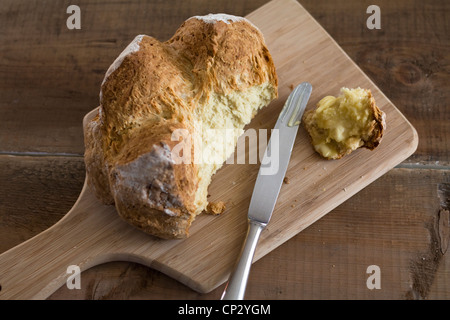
column 153, row 89
column 378, row 125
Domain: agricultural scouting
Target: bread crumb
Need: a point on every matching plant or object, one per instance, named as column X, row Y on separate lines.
column 291, row 86
column 215, row 207
column 286, row 180
column 331, row 125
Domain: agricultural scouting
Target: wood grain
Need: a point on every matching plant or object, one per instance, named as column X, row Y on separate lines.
column 329, row 259
column 51, row 76
column 36, row 193
column 390, row 223
column 92, row 233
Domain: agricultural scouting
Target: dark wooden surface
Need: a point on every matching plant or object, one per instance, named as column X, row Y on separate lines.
column 50, row 78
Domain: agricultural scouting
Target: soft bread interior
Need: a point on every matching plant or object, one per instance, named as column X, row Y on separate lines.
column 342, row 124
column 222, row 119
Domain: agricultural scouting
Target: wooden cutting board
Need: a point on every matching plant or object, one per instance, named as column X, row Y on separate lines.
column 92, row 233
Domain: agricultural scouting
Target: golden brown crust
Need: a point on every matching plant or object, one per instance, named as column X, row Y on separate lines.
column 152, row 90
column 224, row 57
column 378, row 125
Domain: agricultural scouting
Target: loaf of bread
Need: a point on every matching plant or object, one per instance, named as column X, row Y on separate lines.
column 158, row 137
column 339, row 125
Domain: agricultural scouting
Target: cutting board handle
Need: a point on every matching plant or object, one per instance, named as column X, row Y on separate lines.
column 39, row 266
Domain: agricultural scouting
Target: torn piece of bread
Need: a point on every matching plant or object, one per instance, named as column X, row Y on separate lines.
column 170, row 114
column 340, row 125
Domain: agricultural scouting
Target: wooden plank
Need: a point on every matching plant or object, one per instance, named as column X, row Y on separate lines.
column 35, row 193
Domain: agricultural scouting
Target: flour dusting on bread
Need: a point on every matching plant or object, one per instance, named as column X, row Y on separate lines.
column 132, row 47
column 213, row 18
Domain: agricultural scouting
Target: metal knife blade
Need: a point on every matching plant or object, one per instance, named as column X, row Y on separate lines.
column 268, row 184
column 277, row 155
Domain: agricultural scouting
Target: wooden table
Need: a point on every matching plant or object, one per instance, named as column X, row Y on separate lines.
column 50, row 78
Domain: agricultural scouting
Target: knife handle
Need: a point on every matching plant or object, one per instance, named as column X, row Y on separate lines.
column 235, row 288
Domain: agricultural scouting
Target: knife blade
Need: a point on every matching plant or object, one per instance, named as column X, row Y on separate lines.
column 268, row 185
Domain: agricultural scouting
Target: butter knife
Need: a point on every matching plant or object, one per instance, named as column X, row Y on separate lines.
column 268, row 184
